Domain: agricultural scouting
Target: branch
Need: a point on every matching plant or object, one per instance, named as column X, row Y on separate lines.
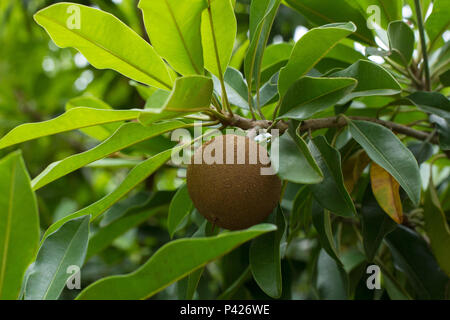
column 332, row 122
column 337, row 122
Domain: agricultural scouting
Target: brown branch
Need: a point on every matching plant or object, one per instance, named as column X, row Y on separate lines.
column 337, row 122
column 332, row 122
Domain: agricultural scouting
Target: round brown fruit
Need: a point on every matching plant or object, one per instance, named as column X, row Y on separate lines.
column 232, row 194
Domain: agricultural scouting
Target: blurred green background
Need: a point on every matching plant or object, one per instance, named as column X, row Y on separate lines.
column 38, row 80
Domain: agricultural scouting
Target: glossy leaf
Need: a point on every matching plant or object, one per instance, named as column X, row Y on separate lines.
column 385, row 149
column 309, row 50
column 190, row 94
column 330, row 193
column 437, row 228
column 235, row 87
column 275, row 57
column 174, row 30
column 308, row 96
column 353, row 168
column 322, row 223
column 73, row 119
column 128, row 134
column 373, row 80
column 413, row 257
column 295, row 162
column 183, row 256
column 268, row 93
column 62, row 249
column 390, row 10
column 135, row 202
column 265, row 257
column 331, row 280
column 401, row 41
column 137, row 175
column 218, row 28
column 100, row 132
column 387, row 192
column 376, row 224
column 238, row 57
column 431, row 102
column 106, row 235
column 443, row 127
column 262, row 15
column 19, row 225
column 321, row 12
column 115, row 47
column 438, row 22
column 180, row 206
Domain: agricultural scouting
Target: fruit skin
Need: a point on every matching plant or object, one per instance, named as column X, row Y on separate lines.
column 233, row 196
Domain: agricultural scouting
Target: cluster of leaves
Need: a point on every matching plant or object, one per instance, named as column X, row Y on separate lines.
column 353, row 190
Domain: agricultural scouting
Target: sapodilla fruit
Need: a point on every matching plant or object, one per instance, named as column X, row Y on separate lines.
column 228, row 189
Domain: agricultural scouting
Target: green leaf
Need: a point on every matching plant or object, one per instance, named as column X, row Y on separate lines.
column 106, row 235
column 437, row 228
column 137, row 175
column 295, row 162
column 73, row 119
column 19, row 225
column 275, row 57
column 128, row 134
column 330, row 193
column 235, row 87
column 431, row 102
column 121, row 208
column 331, row 280
column 180, row 207
column 443, row 127
column 437, row 23
column 373, row 80
column 401, row 42
column 262, row 15
column 322, row 222
column 384, row 148
column 174, row 30
column 300, row 216
column 63, row 248
column 183, row 256
column 376, row 224
column 390, row 10
column 100, row 132
column 268, row 93
column 345, row 52
column 309, row 50
column 412, row 256
column 188, row 285
column 321, row 12
column 265, row 257
column 218, row 28
column 308, row 96
column 105, row 41
column 238, row 57
column 190, row 94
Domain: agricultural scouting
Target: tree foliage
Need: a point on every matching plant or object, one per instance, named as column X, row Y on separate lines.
column 90, row 95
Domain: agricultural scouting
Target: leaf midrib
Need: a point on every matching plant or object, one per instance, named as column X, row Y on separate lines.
column 318, row 97
column 357, row 34
column 8, row 227
column 382, row 156
column 168, row 86
column 61, row 262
